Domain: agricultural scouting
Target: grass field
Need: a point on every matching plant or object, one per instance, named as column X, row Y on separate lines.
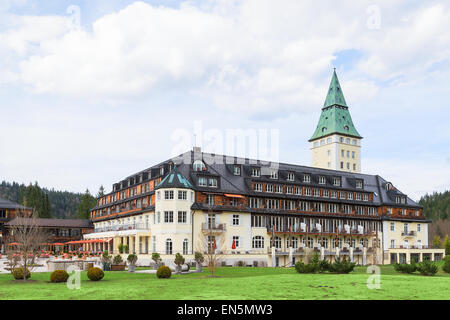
column 234, row 283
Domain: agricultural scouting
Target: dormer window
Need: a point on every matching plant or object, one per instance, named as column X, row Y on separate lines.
column 273, row 174
column 388, row 186
column 359, row 184
column 307, row 178
column 202, row 182
column 237, row 170
column 161, row 170
column 322, row 180
column 199, row 165
column 256, row 172
column 290, row 176
column 337, row 181
column 212, row 182
column 403, row 200
column 258, row 187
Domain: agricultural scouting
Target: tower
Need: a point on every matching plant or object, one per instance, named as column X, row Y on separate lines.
column 336, row 144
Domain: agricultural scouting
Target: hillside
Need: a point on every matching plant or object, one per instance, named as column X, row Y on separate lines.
column 63, row 204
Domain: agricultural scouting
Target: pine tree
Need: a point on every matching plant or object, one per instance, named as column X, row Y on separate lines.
column 86, row 204
column 437, row 242
column 447, row 245
column 101, row 192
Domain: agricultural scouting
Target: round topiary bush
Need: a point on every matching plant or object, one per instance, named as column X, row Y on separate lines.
column 18, row 273
column 59, row 276
column 95, row 274
column 163, row 272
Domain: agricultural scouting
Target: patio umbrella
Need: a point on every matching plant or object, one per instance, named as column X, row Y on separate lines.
column 233, row 246
column 215, row 246
column 14, row 244
column 57, row 244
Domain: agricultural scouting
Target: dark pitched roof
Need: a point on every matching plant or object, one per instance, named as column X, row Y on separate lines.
column 6, row 204
column 63, row 223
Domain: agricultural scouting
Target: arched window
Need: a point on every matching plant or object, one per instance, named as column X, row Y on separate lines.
column 276, row 242
column 199, row 165
column 258, row 242
column 185, row 246
column 294, row 243
column 325, row 243
column 169, row 246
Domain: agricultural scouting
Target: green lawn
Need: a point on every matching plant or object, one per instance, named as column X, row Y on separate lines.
column 234, row 283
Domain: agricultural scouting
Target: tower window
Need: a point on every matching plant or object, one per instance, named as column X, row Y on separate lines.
column 346, row 128
column 324, row 129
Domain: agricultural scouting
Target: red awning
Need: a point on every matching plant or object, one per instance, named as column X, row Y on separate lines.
column 234, row 195
column 57, row 244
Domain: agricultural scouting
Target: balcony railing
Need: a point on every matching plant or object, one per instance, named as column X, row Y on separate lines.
column 214, row 227
column 409, row 234
column 122, row 227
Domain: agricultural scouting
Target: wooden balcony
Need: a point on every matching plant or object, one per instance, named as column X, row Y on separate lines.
column 213, row 227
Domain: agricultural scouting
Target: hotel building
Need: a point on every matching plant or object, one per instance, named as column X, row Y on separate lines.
column 263, row 213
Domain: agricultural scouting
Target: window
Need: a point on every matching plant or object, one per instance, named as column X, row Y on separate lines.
column 278, row 188
column 333, row 194
column 348, row 154
column 337, row 181
column 354, row 142
column 306, row 178
column 322, row 180
column 392, row 226
column 210, row 199
column 289, row 189
column 213, row 182
column 392, row 244
column 353, row 154
column 182, row 195
column 348, row 165
column 256, row 172
column 168, row 194
column 290, row 176
column 269, row 188
column 258, row 187
column 182, row 216
column 329, row 140
column 419, row 227
column 308, row 192
column 359, row 184
column 235, row 221
column 273, row 174
column 202, row 182
column 333, row 208
column 237, row 170
column 342, row 165
column 276, row 242
column 236, row 241
column 347, row 141
column 310, row 242
column 316, row 192
column 199, row 165
column 169, row 246
column 329, row 152
column 185, row 246
column 168, row 216
column 258, row 221
column 158, row 195
column 326, row 193
column 258, row 242
column 365, row 197
column 354, row 167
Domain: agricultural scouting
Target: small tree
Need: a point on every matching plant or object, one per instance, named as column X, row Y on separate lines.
column 30, row 237
column 120, row 247
column 437, row 243
column 179, row 261
column 157, row 258
column 447, row 245
column 199, row 259
column 212, row 252
column 132, row 259
column 106, row 260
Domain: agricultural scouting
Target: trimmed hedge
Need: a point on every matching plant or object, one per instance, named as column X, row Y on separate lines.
column 95, row 274
column 59, row 276
column 405, row 268
column 18, row 273
column 163, row 272
column 339, row 266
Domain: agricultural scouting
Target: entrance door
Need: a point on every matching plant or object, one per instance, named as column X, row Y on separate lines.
column 211, row 221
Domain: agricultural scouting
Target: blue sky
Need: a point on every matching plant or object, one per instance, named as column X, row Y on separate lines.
column 89, row 104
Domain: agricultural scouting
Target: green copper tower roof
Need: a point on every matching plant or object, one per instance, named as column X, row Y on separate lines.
column 335, row 117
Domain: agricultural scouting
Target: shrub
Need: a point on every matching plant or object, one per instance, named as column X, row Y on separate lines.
column 18, row 273
column 120, row 247
column 118, row 259
column 446, row 266
column 301, row 267
column 341, row 266
column 324, row 265
column 59, row 276
column 405, row 268
column 132, row 259
column 240, row 263
column 427, row 268
column 156, row 257
column 95, row 274
column 163, row 272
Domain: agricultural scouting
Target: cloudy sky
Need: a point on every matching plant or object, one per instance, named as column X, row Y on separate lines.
column 92, row 91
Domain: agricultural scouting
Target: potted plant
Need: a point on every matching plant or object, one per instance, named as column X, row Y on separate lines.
column 157, row 258
column 106, row 260
column 199, row 259
column 118, row 264
column 132, row 259
column 126, row 249
column 179, row 261
column 120, row 247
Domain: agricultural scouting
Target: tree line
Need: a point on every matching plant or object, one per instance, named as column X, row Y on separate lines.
column 50, row 203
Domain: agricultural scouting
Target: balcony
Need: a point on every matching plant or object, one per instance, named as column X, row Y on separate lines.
column 214, row 227
column 122, row 227
column 409, row 234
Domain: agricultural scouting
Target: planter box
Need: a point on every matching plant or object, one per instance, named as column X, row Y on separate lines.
column 117, row 267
